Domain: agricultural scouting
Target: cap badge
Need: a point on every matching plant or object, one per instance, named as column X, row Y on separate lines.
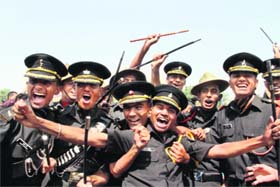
column 273, row 66
column 170, row 95
column 180, row 67
column 86, row 72
column 131, row 92
column 243, row 63
column 41, row 62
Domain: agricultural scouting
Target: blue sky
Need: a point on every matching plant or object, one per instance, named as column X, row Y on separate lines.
column 99, row 31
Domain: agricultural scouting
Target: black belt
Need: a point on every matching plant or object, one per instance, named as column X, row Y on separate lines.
column 202, row 176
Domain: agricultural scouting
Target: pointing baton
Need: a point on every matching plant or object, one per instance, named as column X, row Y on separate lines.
column 169, row 52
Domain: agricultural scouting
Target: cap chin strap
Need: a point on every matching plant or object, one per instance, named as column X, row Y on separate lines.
column 67, row 95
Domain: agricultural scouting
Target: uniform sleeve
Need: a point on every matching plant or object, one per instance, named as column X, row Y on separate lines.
column 119, row 141
column 196, row 149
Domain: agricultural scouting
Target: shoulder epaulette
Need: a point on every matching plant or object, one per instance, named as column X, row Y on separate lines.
column 187, row 116
column 266, row 100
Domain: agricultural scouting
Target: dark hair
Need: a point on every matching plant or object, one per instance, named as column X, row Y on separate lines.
column 11, row 93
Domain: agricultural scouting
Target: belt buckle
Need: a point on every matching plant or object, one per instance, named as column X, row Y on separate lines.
column 198, row 176
column 75, row 176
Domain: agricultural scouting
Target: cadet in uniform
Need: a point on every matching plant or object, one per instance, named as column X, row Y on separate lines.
column 200, row 120
column 245, row 117
column 135, row 99
column 88, row 77
column 22, row 148
column 127, row 75
column 68, row 93
column 162, row 156
column 177, row 73
column 275, row 73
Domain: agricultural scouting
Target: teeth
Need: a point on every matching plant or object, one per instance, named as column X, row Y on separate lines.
column 242, row 85
column 161, row 120
column 38, row 95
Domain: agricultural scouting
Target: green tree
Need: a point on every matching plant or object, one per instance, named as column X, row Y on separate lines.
column 3, row 94
column 187, row 92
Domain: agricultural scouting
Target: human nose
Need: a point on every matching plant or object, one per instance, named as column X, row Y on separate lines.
column 132, row 112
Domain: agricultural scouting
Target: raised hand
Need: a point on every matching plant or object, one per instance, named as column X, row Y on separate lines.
column 141, row 136
column 151, row 39
column 23, row 113
column 276, row 50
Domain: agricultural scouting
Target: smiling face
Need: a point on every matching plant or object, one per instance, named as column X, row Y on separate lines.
column 163, row 116
column 136, row 113
column 176, row 80
column 87, row 95
column 208, row 96
column 276, row 85
column 41, row 92
column 243, row 84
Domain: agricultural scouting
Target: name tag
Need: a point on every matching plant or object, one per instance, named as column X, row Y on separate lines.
column 227, row 126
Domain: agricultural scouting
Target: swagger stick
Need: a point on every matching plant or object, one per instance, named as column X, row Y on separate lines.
column 115, row 78
column 45, row 140
column 87, row 125
column 273, row 105
column 160, row 35
column 267, row 36
column 169, row 52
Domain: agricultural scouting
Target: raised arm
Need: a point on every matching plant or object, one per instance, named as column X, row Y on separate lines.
column 141, row 138
column 137, row 60
column 232, row 149
column 276, row 50
column 157, row 62
column 23, row 113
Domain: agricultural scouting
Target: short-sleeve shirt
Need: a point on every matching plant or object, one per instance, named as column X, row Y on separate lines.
column 153, row 167
column 231, row 126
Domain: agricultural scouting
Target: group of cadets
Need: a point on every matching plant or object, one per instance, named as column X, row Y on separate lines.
column 142, row 133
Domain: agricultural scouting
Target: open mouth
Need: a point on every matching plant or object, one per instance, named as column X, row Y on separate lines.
column 134, row 122
column 86, row 98
column 38, row 98
column 208, row 103
column 39, row 95
column 162, row 122
column 242, row 86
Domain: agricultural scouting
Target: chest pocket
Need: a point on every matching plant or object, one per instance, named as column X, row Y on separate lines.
column 147, row 156
column 261, row 151
column 227, row 130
